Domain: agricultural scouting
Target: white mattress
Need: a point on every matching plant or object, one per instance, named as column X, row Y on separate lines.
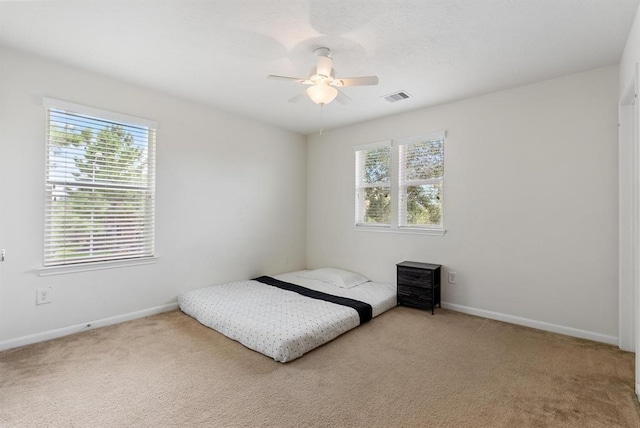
column 282, row 324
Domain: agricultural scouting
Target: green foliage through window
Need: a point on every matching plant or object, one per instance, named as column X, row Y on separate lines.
column 100, row 190
column 373, row 185
column 421, row 178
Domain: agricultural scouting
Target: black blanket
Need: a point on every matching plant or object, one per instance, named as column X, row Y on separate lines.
column 364, row 309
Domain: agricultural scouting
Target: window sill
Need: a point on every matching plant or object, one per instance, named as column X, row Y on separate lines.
column 65, row 269
column 401, row 230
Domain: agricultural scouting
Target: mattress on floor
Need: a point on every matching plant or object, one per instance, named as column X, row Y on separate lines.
column 282, row 324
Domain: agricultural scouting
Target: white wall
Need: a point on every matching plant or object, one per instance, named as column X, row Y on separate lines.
column 628, row 164
column 230, row 200
column 530, row 208
column 530, row 204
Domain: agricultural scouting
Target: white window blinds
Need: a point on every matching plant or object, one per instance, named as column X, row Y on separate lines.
column 373, row 184
column 421, row 175
column 100, row 185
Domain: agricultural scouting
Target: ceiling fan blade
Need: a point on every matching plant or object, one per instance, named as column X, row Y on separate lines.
column 298, row 97
column 358, row 81
column 324, row 66
column 296, row 79
column 342, row 98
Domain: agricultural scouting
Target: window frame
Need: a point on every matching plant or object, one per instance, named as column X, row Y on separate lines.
column 49, row 265
column 397, row 224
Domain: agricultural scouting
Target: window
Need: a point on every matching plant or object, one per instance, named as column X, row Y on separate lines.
column 421, row 174
column 99, row 185
column 399, row 184
column 373, row 184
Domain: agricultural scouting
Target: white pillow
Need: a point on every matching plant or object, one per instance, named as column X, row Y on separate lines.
column 338, row 277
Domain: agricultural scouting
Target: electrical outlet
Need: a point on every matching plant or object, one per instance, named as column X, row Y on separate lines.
column 452, row 277
column 43, row 295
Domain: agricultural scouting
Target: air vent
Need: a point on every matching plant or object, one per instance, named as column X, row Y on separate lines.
column 396, row 96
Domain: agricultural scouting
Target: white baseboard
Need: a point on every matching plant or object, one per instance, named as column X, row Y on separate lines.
column 65, row 331
column 90, row 325
column 540, row 325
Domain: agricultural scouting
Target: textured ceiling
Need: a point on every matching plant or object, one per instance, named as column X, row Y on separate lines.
column 219, row 52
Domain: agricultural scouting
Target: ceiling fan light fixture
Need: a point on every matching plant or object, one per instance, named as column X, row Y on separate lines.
column 322, row 93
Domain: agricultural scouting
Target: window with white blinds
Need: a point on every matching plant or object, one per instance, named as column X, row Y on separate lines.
column 99, row 185
column 421, row 175
column 373, row 184
column 399, row 184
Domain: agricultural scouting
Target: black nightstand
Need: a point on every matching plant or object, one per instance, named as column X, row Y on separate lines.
column 419, row 285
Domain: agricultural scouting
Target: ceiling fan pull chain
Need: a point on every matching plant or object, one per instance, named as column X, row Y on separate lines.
column 321, row 118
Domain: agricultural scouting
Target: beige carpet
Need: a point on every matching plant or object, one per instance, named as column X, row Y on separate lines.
column 404, row 368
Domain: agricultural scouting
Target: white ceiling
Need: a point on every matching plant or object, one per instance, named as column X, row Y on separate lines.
column 219, row 52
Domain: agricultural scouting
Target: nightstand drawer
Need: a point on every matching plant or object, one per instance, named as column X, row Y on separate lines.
column 415, row 277
column 417, row 292
column 418, row 302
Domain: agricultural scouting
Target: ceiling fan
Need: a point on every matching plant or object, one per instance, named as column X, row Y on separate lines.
column 324, row 83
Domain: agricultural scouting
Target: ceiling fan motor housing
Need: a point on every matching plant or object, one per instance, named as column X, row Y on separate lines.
column 316, row 77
